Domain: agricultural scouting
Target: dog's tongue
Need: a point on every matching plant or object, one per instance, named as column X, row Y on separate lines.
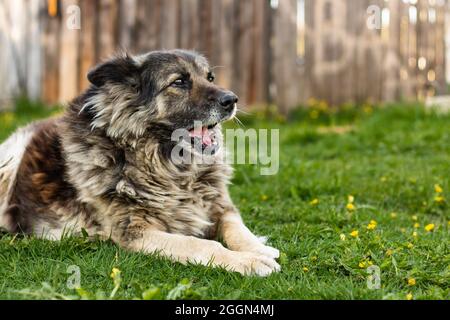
column 202, row 133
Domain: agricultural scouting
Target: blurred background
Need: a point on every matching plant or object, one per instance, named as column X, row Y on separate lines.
column 271, row 52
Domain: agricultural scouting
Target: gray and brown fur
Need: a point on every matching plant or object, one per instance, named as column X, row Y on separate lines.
column 105, row 166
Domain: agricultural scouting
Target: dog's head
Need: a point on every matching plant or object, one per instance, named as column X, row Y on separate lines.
column 157, row 93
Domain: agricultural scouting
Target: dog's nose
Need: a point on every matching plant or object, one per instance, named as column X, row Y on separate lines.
column 228, row 100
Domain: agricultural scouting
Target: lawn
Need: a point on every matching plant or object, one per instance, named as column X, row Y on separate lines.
column 356, row 188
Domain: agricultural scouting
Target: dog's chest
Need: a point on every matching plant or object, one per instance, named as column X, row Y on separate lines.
column 186, row 204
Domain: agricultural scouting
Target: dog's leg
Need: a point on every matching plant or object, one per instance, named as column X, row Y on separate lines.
column 188, row 249
column 239, row 238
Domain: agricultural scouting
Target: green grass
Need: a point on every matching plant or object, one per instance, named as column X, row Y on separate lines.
column 389, row 159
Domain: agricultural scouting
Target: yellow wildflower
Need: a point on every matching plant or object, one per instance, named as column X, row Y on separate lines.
column 393, row 215
column 409, row 296
column 411, row 281
column 314, row 202
column 354, row 233
column 438, row 188
column 342, row 236
column 410, row 245
column 389, row 252
column 372, row 225
column 414, row 234
column 350, row 206
column 351, row 199
column 429, row 227
column 416, row 225
column 264, row 197
column 414, row 217
column 305, row 269
column 362, row 264
column 439, row 199
column 115, row 272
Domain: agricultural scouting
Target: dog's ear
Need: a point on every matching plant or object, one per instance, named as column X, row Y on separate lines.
column 118, row 70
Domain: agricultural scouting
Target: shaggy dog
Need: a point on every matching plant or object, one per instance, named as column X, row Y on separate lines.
column 107, row 166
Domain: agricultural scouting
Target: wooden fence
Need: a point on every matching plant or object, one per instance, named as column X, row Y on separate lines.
column 278, row 51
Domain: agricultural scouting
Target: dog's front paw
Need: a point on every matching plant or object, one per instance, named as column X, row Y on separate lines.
column 265, row 250
column 249, row 263
column 258, row 246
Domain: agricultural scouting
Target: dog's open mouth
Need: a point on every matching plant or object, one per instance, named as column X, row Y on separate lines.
column 204, row 136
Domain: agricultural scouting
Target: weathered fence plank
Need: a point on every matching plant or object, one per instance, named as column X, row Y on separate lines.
column 51, row 53
column 68, row 56
column 287, row 80
column 88, row 40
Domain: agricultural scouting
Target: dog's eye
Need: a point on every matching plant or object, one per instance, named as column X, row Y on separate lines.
column 180, row 82
column 210, row 77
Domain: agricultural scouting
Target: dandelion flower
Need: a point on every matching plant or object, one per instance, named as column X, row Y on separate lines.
column 439, row 199
column 372, row 225
column 115, row 272
column 305, row 269
column 416, row 225
column 342, row 236
column 411, row 282
column 414, row 234
column 438, row 188
column 362, row 264
column 354, row 233
column 409, row 296
column 350, row 206
column 429, row 227
column 314, row 202
column 351, row 199
column 414, row 217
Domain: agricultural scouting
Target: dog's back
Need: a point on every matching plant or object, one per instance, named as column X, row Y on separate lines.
column 11, row 153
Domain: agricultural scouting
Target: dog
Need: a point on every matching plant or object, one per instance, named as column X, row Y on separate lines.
column 105, row 166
